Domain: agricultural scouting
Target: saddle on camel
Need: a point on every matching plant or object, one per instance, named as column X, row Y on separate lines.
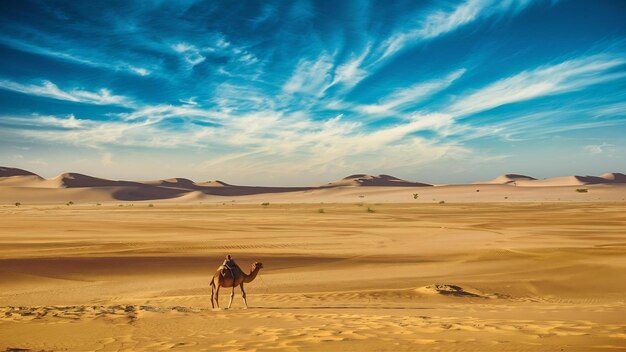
column 230, row 268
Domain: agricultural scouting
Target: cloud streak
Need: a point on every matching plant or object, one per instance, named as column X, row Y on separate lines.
column 442, row 21
column 48, row 89
column 567, row 76
column 412, row 95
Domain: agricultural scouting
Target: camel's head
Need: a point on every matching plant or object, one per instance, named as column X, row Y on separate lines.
column 257, row 265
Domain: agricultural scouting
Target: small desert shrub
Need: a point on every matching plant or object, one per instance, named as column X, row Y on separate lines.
column 370, row 210
column 69, row 203
column 17, row 204
column 415, row 195
column 442, row 202
column 361, row 196
column 477, row 190
column 98, row 204
column 506, row 197
column 582, row 190
column 359, row 204
column 321, row 211
column 265, row 204
column 151, row 205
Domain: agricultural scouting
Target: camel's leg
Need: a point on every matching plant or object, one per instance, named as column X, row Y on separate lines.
column 217, row 296
column 232, row 294
column 212, row 295
column 243, row 294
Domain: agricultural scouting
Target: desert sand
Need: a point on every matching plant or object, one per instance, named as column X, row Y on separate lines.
column 366, row 276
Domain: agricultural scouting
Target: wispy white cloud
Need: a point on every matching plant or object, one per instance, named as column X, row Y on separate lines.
column 222, row 43
column 271, row 139
column 189, row 52
column 310, row 77
column 156, row 113
column 140, row 70
column 616, row 109
column 114, row 65
column 288, row 142
column 351, row 72
column 442, row 21
column 189, row 101
column 68, row 122
column 567, row 76
column 598, row 148
column 50, row 90
column 522, row 126
column 44, row 122
column 410, row 95
column 195, row 54
column 248, row 58
column 101, row 134
column 427, row 26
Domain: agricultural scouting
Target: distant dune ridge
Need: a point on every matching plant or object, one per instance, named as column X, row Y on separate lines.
column 14, row 177
column 17, row 184
column 11, row 171
column 507, row 179
column 527, row 181
column 614, row 176
column 370, row 180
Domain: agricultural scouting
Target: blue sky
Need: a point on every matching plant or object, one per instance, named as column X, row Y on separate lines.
column 304, row 92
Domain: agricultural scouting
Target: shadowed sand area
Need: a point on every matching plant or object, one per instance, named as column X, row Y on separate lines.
column 412, row 277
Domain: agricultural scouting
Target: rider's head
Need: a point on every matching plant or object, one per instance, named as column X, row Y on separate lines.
column 228, row 257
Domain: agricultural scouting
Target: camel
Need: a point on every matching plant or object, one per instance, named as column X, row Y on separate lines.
column 226, row 280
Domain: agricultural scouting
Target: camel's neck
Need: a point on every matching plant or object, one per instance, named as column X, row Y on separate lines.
column 251, row 276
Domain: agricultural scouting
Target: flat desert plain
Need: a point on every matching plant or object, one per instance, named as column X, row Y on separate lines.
column 336, row 277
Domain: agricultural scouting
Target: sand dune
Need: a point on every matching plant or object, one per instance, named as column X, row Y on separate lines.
column 215, row 183
column 185, row 183
column 11, row 171
column 527, row 181
column 359, row 180
column 74, row 180
column 18, row 185
column 615, row 177
column 13, row 177
column 508, row 179
column 22, row 181
column 563, row 181
column 174, row 183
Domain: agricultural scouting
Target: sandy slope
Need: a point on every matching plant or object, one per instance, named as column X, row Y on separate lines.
column 376, row 181
column 475, row 277
column 507, row 179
